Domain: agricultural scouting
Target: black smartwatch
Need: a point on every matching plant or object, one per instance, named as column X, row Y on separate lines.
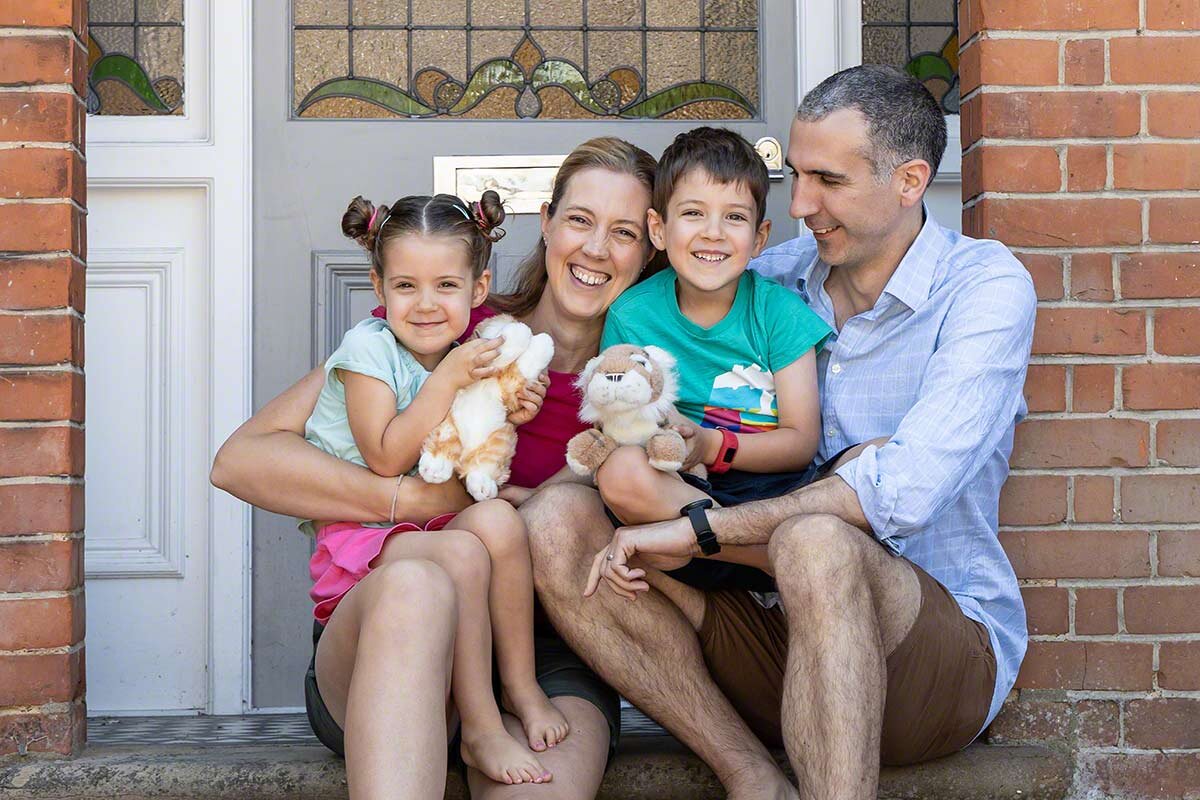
column 705, row 537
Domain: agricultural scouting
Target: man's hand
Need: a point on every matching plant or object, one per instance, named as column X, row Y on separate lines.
column 661, row 545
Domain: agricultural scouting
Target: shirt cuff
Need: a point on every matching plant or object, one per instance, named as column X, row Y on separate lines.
column 877, row 496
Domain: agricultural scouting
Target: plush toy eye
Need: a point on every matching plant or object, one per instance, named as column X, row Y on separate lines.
column 638, row 358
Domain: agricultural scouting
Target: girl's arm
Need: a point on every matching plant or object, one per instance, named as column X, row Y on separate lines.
column 791, row 446
column 267, row 463
column 389, row 440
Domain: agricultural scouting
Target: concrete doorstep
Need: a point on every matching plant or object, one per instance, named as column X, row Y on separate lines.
column 648, row 768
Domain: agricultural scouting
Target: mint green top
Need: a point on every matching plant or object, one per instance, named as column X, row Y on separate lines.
column 726, row 372
column 369, row 348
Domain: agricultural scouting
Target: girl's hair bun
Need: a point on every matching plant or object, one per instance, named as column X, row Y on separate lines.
column 361, row 222
column 489, row 215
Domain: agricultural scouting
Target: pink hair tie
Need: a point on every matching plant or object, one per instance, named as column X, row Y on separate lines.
column 371, row 222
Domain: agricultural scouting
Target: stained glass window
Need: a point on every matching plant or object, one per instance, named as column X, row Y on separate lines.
column 135, row 57
column 920, row 36
column 514, row 59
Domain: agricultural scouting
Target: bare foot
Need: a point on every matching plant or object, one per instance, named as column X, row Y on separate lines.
column 501, row 757
column 765, row 784
column 544, row 724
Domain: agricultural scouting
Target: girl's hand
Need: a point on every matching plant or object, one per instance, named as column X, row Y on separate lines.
column 469, row 362
column 531, row 399
column 702, row 443
column 515, row 495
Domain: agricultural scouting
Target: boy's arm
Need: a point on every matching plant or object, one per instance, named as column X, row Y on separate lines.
column 791, row 446
column 390, row 441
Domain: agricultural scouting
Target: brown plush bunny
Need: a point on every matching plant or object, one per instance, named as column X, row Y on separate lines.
column 629, row 393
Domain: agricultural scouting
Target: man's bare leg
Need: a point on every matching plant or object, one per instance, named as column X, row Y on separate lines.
column 577, row 762
column 645, row 649
column 849, row 604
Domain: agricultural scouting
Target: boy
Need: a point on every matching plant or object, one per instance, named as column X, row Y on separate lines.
column 746, row 347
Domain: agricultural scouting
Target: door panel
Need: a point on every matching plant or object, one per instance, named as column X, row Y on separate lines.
column 307, row 288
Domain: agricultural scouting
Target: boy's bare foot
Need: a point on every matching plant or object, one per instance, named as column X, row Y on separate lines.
column 501, row 757
column 544, row 724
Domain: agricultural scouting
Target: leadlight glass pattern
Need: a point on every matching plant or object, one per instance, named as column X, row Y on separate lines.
column 526, row 59
column 919, row 36
column 135, row 57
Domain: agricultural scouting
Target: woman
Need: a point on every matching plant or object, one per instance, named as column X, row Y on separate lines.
column 394, row 630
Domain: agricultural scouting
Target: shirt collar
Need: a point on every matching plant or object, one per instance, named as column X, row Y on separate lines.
column 911, row 281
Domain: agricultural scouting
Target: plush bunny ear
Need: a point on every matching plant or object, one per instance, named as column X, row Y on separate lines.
column 664, row 362
column 490, row 327
column 587, row 412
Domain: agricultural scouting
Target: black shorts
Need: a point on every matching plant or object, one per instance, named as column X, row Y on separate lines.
column 730, row 489
column 560, row 673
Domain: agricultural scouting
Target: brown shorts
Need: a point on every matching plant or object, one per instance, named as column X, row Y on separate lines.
column 940, row 679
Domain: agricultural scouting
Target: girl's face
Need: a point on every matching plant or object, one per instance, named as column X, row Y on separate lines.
column 429, row 292
column 596, row 243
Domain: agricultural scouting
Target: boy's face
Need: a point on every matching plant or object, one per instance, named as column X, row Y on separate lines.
column 708, row 231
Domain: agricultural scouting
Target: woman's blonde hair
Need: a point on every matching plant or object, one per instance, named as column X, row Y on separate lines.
column 604, row 152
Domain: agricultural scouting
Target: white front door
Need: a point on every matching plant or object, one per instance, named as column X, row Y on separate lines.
column 167, row 368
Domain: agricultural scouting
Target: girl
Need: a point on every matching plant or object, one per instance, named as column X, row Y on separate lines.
column 391, row 382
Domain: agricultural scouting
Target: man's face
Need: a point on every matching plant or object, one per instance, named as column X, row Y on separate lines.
column 836, row 192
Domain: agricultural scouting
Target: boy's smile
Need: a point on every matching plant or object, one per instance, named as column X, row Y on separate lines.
column 709, row 233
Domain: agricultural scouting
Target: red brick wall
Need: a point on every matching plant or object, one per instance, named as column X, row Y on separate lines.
column 1081, row 129
column 42, row 249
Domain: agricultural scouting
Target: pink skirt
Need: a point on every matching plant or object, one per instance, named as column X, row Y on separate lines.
column 344, row 554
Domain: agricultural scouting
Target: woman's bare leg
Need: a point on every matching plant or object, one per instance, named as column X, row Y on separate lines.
column 383, row 668
column 577, row 763
column 502, row 531
column 486, row 745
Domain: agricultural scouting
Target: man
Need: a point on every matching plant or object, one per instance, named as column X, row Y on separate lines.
column 901, row 628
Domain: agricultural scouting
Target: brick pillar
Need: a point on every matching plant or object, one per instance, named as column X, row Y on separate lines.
column 43, row 62
column 1081, row 124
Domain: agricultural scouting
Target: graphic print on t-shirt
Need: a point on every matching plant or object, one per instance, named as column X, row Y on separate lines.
column 742, row 400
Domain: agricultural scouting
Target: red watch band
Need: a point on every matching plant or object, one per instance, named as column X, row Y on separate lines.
column 726, row 453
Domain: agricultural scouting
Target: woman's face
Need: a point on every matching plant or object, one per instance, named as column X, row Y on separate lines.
column 596, row 242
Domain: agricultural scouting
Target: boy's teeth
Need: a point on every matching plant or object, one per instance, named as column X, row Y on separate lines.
column 709, row 257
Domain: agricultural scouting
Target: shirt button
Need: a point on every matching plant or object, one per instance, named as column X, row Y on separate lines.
column 830, row 432
column 835, row 369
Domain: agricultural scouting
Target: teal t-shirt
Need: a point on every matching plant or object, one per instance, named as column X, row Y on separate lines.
column 726, row 372
column 369, row 348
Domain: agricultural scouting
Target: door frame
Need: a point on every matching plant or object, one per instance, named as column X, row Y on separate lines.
column 822, row 55
column 209, row 148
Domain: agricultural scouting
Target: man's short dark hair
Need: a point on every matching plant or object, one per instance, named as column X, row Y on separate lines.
column 723, row 154
column 904, row 121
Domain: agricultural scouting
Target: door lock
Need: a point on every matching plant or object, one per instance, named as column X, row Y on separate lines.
column 772, row 155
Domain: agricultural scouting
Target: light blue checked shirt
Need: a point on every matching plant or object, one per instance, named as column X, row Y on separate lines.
column 938, row 366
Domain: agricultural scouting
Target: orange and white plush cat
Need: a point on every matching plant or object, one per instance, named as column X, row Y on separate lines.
column 476, row 440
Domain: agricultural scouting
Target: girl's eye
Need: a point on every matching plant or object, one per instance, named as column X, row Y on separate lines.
column 738, row 217
column 449, row 285
column 691, row 212
column 403, row 286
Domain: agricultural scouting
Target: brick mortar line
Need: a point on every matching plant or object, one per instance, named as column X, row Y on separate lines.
column 1101, row 194
column 12, row 597
column 1155, row 471
column 1080, row 141
column 42, row 201
column 1084, row 359
column 19, row 369
column 48, row 88
column 16, row 257
column 58, row 311
column 1120, row 583
column 1120, row 413
column 44, row 651
column 1124, row 638
column 1071, row 88
column 43, row 480
column 1091, row 33
column 39, row 535
column 1137, row 751
column 40, row 538
column 1129, row 305
column 24, row 711
column 42, row 423
column 44, row 146
column 18, row 31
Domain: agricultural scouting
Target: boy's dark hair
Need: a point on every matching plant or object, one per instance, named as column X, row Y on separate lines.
column 442, row 214
column 904, row 121
column 723, row 154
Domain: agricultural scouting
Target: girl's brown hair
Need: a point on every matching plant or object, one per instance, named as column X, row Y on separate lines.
column 440, row 215
column 604, row 152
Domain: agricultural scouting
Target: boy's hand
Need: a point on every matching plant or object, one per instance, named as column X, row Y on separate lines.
column 702, row 443
column 469, row 362
column 531, row 399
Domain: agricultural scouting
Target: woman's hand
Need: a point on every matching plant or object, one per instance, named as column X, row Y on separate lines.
column 515, row 495
column 469, row 362
column 530, row 401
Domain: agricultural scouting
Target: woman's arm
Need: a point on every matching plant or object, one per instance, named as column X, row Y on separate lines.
column 267, row 463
